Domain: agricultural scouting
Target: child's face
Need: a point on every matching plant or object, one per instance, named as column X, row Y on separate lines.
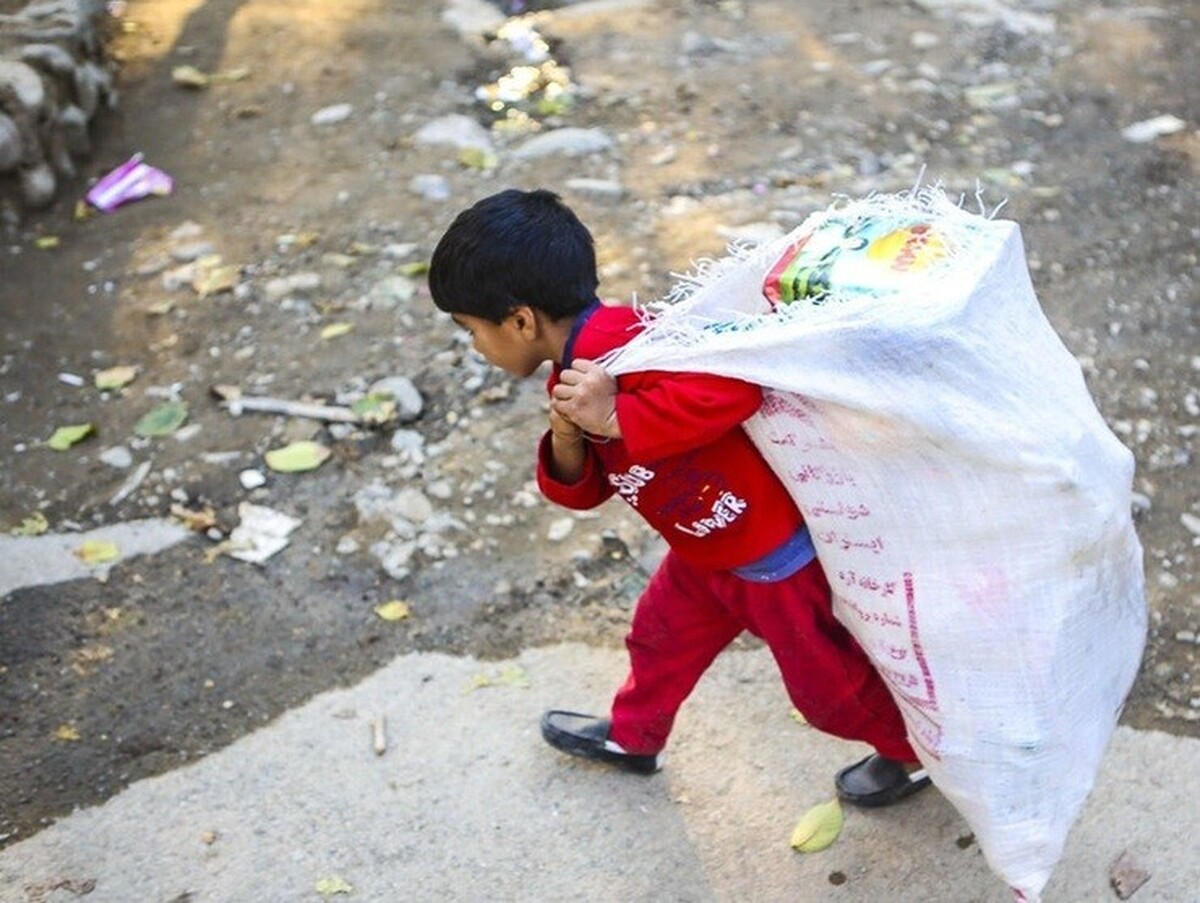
column 506, row 345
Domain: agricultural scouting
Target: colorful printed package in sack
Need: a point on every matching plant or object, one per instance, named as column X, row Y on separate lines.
column 968, row 503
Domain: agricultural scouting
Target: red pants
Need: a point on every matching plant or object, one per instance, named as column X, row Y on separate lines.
column 687, row 616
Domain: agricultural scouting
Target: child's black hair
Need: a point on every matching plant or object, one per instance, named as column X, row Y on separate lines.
column 513, row 248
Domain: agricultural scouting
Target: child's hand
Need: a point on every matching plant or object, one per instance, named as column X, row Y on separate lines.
column 564, row 429
column 587, row 396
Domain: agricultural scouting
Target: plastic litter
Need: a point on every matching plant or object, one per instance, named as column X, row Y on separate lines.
column 132, row 180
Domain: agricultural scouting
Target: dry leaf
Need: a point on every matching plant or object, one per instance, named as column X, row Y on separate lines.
column 66, row 436
column 297, row 457
column 333, row 884
column 375, row 408
column 189, row 77
column 65, row 733
column 395, row 610
column 333, row 330
column 214, row 280
column 509, row 676
column 84, row 658
column 97, row 551
column 198, row 521
column 34, row 525
column 818, row 827
column 115, row 377
column 1127, row 875
column 476, row 158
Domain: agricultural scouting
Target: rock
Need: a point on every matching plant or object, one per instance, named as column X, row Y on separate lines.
column 410, row 444
column 331, row 115
column 429, row 186
column 11, row 146
column 569, row 142
column 601, row 189
column 38, row 185
column 73, row 123
column 295, row 284
column 92, row 84
column 20, row 86
column 251, row 478
column 118, row 456
column 1191, row 522
column 1148, row 129
column 412, row 505
column 460, row 131
column 390, row 292
column 193, row 251
column 409, row 403
column 560, row 529
column 471, row 18
column 395, row 557
column 49, row 58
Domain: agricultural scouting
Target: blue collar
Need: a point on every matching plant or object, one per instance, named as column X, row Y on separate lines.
column 576, row 328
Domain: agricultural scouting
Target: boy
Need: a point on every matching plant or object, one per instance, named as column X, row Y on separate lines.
column 518, row 271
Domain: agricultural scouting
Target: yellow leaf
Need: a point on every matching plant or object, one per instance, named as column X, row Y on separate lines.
column 213, row 280
column 66, row 436
column 97, row 551
column 65, row 733
column 46, row 242
column 189, row 77
column 333, row 330
column 818, row 827
column 395, row 610
column 798, row 716
column 333, row 884
column 297, row 457
column 229, row 75
column 477, row 158
column 115, row 377
column 34, row 525
column 509, row 676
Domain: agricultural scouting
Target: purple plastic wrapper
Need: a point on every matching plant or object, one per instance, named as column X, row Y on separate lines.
column 130, row 181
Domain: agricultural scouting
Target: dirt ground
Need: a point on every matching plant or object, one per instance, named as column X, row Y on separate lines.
column 724, row 117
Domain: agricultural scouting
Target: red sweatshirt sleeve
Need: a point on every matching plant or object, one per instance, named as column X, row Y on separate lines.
column 589, row 491
column 663, row 414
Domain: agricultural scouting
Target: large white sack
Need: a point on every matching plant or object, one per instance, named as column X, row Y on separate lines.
column 968, row 502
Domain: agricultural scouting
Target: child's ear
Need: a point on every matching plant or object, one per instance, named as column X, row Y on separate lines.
column 525, row 320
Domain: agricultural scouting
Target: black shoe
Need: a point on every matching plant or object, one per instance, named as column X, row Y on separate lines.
column 587, row 736
column 876, row 781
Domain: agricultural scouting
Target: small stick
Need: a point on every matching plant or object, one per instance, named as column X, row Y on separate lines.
column 131, row 484
column 379, row 735
column 237, row 403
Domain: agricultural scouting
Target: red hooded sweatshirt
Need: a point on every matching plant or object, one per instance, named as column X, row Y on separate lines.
column 684, row 462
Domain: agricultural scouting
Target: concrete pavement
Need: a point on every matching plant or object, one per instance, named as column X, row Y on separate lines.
column 468, row 804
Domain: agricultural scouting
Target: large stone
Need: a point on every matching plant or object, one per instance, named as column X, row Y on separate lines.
column 569, row 142
column 21, row 87
column 73, row 123
column 11, row 146
column 38, row 185
column 460, row 131
column 49, row 58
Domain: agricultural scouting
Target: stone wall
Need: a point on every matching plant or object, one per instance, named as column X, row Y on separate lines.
column 54, row 78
